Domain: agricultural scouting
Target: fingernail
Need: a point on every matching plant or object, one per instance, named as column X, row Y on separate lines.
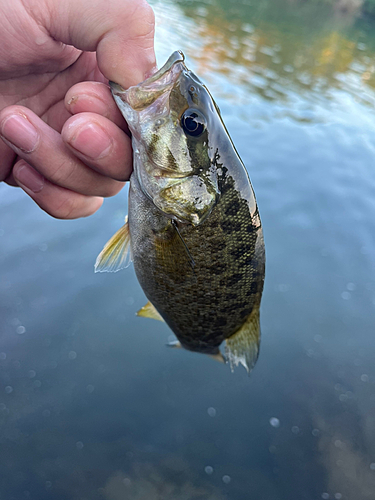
column 81, row 102
column 91, row 140
column 28, row 178
column 17, row 130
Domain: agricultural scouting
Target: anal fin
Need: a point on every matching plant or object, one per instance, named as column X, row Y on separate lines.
column 243, row 346
column 175, row 344
column 218, row 357
column 149, row 311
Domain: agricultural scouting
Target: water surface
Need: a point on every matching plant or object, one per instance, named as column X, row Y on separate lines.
column 92, row 403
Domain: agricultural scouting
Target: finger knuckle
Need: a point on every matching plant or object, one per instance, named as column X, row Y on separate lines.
column 148, row 15
column 63, row 171
column 142, row 19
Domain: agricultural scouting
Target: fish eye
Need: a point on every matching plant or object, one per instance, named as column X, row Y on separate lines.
column 193, row 123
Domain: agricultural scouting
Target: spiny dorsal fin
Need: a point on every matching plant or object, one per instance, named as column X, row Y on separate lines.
column 149, row 311
column 116, row 254
column 243, row 346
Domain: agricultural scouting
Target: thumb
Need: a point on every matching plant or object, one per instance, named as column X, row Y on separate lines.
column 120, row 31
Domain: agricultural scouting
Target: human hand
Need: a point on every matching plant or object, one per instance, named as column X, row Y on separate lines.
column 68, row 150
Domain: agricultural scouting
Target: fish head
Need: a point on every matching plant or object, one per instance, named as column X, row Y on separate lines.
column 176, row 127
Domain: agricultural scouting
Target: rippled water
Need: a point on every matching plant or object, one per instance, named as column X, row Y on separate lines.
column 92, row 404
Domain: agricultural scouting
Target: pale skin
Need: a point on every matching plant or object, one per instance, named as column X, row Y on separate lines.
column 64, row 141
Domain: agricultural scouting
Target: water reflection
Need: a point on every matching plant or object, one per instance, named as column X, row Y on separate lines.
column 270, row 49
column 147, row 481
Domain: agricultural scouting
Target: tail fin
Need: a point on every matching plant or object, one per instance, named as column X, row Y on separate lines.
column 243, row 346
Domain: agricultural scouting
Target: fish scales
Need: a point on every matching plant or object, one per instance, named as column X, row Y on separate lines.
column 194, row 227
column 208, row 302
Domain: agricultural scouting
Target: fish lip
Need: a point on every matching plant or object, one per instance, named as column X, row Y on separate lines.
column 116, row 87
column 176, row 57
column 140, row 96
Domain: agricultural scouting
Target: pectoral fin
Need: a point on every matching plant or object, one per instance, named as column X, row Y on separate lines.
column 116, row 254
column 243, row 346
column 192, row 262
column 149, row 311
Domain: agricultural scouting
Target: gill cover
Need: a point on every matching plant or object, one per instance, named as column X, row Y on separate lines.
column 170, row 116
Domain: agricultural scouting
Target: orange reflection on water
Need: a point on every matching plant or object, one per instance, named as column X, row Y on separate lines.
column 271, row 58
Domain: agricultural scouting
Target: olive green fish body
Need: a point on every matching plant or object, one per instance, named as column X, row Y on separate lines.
column 206, row 300
column 194, row 227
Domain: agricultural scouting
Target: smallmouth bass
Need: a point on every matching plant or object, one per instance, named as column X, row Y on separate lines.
column 193, row 228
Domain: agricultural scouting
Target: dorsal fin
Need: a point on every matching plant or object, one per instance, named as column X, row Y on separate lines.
column 116, row 253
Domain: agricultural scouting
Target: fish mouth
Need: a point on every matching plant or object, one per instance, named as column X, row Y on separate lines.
column 147, row 92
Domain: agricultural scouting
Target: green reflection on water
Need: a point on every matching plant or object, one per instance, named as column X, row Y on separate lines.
column 273, row 47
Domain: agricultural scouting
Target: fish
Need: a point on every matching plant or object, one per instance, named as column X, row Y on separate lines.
column 193, row 229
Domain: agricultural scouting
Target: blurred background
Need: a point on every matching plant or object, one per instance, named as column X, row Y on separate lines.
column 94, row 406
